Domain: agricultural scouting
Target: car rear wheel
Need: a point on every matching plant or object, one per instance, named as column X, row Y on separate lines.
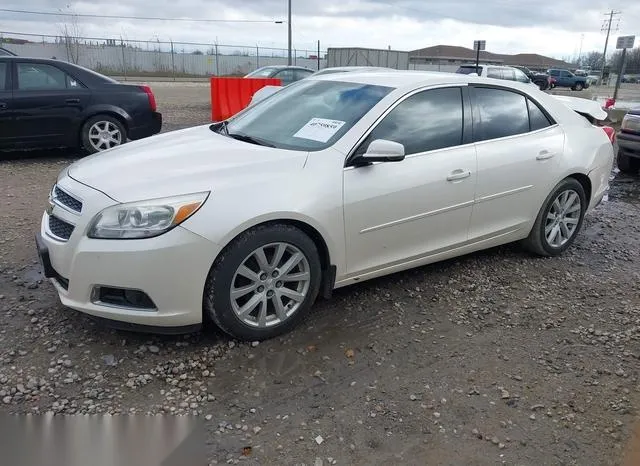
column 264, row 283
column 578, row 87
column 627, row 164
column 559, row 219
column 102, row 132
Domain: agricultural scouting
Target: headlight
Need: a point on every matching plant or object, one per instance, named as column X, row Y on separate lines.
column 631, row 123
column 145, row 219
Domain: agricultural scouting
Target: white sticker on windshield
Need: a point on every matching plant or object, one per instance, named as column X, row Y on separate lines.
column 319, row 129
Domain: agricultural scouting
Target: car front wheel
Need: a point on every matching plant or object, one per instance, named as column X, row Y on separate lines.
column 559, row 219
column 102, row 132
column 264, row 283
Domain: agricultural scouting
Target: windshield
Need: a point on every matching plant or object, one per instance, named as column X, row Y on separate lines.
column 261, row 73
column 309, row 115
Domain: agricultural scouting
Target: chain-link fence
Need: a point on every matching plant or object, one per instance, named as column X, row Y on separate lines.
column 158, row 58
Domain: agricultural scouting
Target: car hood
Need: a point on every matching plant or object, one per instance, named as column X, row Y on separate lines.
column 180, row 162
column 578, row 104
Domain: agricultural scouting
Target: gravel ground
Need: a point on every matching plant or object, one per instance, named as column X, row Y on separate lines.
column 493, row 358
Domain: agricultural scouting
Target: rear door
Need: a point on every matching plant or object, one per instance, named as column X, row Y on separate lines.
column 48, row 103
column 6, row 102
column 517, row 146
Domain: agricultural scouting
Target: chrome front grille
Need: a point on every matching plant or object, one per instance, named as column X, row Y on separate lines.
column 60, row 228
column 67, row 200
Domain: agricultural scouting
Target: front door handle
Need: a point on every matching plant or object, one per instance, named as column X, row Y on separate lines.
column 458, row 175
column 3, row 105
column 72, row 101
column 544, row 155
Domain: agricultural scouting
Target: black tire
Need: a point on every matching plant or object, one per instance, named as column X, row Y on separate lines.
column 86, row 128
column 578, row 87
column 537, row 241
column 627, row 164
column 217, row 300
column 543, row 85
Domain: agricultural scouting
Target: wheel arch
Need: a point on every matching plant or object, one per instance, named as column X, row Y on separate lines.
column 307, row 226
column 586, row 185
column 115, row 112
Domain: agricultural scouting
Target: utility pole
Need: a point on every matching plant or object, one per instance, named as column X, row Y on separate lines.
column 289, row 24
column 580, row 51
column 607, row 25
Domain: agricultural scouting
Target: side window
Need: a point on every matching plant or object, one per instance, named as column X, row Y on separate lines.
column 554, row 73
column 502, row 113
column 494, row 73
column 521, row 77
column 508, row 73
column 301, row 74
column 287, row 76
column 537, row 118
column 38, row 76
column 425, row 121
column 564, row 74
column 3, row 76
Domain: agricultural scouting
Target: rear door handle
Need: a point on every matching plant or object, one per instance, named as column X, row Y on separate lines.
column 544, row 155
column 72, row 101
column 3, row 106
column 458, row 175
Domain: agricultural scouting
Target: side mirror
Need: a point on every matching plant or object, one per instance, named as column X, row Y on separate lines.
column 381, row 150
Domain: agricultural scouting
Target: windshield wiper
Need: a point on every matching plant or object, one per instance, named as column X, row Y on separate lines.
column 250, row 139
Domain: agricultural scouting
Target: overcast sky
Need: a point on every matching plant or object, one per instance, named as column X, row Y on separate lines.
column 551, row 28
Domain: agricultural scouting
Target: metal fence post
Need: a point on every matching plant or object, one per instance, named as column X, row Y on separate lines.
column 217, row 62
column 124, row 62
column 257, row 57
column 173, row 61
column 295, row 57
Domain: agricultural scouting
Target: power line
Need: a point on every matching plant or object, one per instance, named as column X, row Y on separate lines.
column 145, row 18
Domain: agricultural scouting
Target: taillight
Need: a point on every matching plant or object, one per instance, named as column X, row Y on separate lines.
column 610, row 132
column 152, row 98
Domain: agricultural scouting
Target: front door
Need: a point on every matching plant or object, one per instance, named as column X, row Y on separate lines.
column 518, row 146
column 47, row 102
column 395, row 212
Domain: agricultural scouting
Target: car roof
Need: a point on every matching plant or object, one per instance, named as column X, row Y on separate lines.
column 400, row 78
column 282, row 67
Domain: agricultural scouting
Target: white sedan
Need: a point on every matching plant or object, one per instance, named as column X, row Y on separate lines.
column 335, row 180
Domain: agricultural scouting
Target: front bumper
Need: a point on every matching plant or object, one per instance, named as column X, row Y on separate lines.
column 629, row 143
column 171, row 269
column 152, row 126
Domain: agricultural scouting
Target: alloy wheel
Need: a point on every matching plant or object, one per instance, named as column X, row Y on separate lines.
column 270, row 285
column 563, row 218
column 104, row 135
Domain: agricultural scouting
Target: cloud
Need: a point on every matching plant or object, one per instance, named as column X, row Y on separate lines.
column 509, row 26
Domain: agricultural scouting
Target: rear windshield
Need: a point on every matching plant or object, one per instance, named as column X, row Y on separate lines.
column 469, row 70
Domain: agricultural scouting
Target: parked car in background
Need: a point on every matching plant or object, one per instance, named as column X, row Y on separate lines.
column 539, row 79
column 49, row 103
column 507, row 73
column 286, row 74
column 387, row 171
column 6, row 53
column 629, row 142
column 266, row 91
column 565, row 78
column 593, row 79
